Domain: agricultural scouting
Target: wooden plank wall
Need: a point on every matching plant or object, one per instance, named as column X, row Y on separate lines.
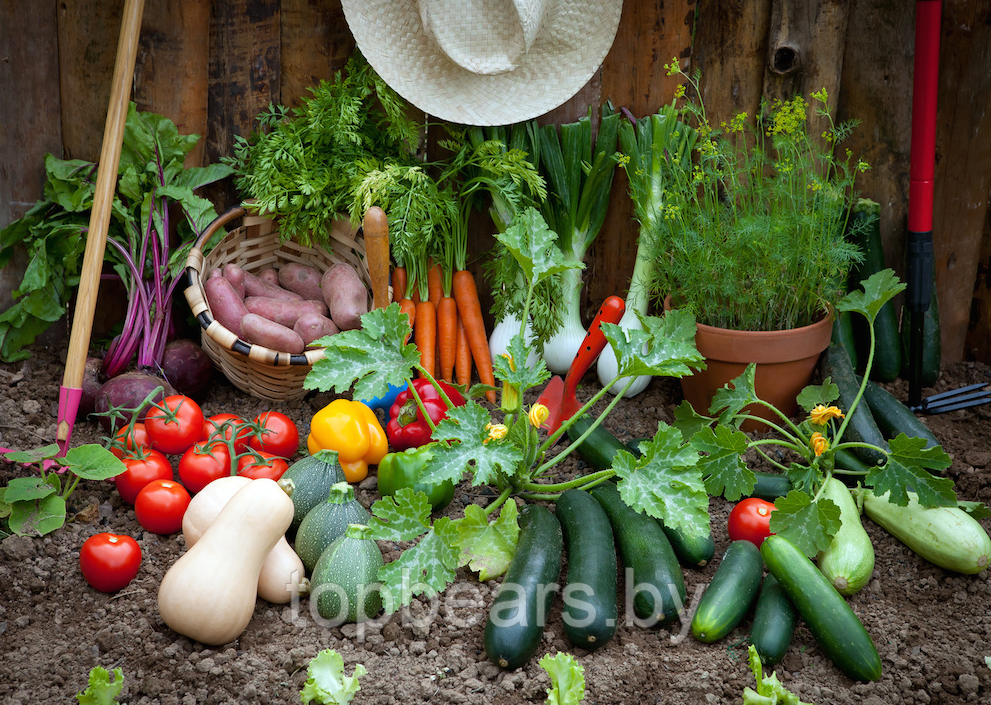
column 211, row 66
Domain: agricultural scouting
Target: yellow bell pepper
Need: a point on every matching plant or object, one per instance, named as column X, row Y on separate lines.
column 353, row 430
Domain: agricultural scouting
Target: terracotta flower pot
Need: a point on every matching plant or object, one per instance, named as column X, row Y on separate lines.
column 786, row 361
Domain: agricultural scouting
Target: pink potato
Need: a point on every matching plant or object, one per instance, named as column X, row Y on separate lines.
column 345, row 294
column 313, row 326
column 302, row 279
column 272, row 335
column 235, row 275
column 281, row 311
column 227, row 307
column 271, row 275
column 256, row 286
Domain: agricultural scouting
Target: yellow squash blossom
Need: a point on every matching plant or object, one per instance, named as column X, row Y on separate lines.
column 538, row 414
column 820, row 414
column 496, row 431
column 819, row 443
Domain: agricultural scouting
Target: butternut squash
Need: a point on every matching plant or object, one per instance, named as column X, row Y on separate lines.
column 282, row 569
column 209, row 594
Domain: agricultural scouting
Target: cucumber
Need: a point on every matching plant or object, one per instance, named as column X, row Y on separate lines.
column 865, row 230
column 774, row 622
column 730, row 593
column 518, row 614
column 653, row 575
column 861, row 426
column 838, row 631
column 692, row 551
column 945, row 536
column 893, row 417
column 849, row 560
column 770, row 486
column 931, row 341
column 590, row 607
column 600, row 447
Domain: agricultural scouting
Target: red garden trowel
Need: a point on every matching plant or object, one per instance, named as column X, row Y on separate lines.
column 559, row 395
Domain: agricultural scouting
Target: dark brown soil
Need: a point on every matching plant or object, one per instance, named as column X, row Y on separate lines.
column 931, row 627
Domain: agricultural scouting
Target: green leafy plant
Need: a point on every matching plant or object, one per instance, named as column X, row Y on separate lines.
column 326, row 683
column 102, row 690
column 753, row 236
column 35, row 505
column 770, row 691
column 567, row 679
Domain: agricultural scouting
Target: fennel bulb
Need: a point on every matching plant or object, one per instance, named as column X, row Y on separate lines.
column 503, row 332
column 608, row 368
column 561, row 348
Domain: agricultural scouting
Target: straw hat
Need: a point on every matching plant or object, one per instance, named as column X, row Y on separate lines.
column 484, row 62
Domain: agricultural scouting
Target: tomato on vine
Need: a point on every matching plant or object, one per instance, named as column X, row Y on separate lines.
column 278, row 435
column 750, row 520
column 264, row 465
column 160, row 506
column 143, row 465
column 203, row 463
column 109, row 562
column 129, row 438
column 176, row 426
column 227, row 427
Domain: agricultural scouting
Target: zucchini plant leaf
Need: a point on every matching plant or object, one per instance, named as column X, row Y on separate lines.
column 37, row 518
column 424, row 569
column 567, row 679
column 326, row 683
column 93, row 462
column 465, row 443
column 689, row 421
column 909, row 468
column 816, row 394
column 402, row 517
column 27, row 489
column 807, row 524
column 535, row 248
column 665, row 347
column 666, row 482
column 722, row 464
column 519, row 376
column 978, row 510
column 487, row 548
column 35, row 455
column 728, row 403
column 877, row 290
column 371, row 357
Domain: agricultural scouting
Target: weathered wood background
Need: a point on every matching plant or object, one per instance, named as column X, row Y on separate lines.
column 212, row 66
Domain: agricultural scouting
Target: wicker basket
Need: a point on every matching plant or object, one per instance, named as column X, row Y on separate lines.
column 255, row 245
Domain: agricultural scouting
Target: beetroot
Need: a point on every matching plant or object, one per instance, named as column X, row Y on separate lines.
column 91, row 384
column 128, row 391
column 187, row 367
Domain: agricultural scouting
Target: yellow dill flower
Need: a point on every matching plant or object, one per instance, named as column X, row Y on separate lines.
column 862, row 166
column 496, row 431
column 674, row 67
column 538, row 414
column 679, row 92
column 623, row 160
column 819, row 443
column 738, row 123
column 821, row 413
column 822, row 96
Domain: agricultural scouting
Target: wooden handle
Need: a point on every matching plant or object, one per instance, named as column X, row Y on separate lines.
column 376, row 229
column 106, row 185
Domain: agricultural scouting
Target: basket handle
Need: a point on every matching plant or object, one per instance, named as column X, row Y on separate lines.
column 217, row 223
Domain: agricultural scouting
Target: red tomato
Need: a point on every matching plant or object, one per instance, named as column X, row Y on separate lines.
column 109, row 562
column 143, row 466
column 227, row 426
column 270, row 466
column 174, row 432
column 750, row 520
column 129, row 441
column 202, row 464
column 160, row 506
column 279, row 435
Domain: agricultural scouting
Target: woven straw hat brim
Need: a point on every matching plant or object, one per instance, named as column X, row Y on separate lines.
column 573, row 40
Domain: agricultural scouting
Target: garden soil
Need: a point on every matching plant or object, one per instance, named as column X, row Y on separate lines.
column 931, row 627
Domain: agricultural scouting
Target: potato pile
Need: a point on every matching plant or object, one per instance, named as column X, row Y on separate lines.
column 286, row 309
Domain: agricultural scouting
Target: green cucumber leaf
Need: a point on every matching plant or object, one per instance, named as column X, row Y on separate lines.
column 35, row 455
column 37, row 518
column 93, row 462
column 27, row 489
column 487, row 548
column 807, row 524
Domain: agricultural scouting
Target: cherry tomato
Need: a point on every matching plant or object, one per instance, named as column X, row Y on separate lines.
column 160, row 506
column 202, row 464
column 279, row 435
column 143, row 466
column 750, row 520
column 109, row 562
column 227, row 426
column 269, row 465
column 129, row 441
column 173, row 433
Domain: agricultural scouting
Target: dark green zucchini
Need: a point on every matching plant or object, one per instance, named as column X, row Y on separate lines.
column 590, row 606
column 774, row 622
column 730, row 593
column 600, row 447
column 843, row 335
column 893, row 417
column 518, row 614
column 692, row 551
column 838, row 631
column 865, row 230
column 770, row 486
column 652, row 570
column 931, row 341
column 861, row 426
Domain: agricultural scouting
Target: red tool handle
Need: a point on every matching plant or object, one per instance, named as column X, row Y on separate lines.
column 611, row 311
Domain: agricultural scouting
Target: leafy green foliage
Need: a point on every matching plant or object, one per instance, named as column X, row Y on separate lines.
column 488, row 547
column 401, row 517
column 807, row 524
column 326, row 682
column 102, row 689
column 722, row 465
column 567, row 679
column 470, row 447
column 880, row 288
column 424, row 569
column 669, row 342
column 519, row 376
column 909, row 468
column 770, row 690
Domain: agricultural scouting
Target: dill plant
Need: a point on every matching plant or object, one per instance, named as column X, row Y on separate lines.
column 755, row 235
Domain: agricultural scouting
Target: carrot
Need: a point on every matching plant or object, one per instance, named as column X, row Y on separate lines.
column 425, row 335
column 398, row 283
column 434, row 287
column 447, row 335
column 415, row 292
column 470, row 310
column 462, row 357
column 409, row 308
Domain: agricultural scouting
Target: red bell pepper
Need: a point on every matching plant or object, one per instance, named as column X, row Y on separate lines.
column 407, row 428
